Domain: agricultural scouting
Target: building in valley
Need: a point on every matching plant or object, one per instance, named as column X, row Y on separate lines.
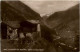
column 14, row 15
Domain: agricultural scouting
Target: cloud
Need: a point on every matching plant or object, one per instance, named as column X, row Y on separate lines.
column 49, row 0
column 46, row 6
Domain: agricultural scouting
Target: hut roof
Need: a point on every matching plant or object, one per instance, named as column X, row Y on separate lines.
column 13, row 12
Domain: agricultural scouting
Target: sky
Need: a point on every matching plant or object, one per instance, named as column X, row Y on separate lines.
column 49, row 6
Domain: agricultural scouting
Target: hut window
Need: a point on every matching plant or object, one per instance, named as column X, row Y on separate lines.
column 10, row 31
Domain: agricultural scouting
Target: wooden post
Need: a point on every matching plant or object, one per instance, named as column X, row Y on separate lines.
column 38, row 29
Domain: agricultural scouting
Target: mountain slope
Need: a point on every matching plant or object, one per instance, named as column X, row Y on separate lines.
column 66, row 24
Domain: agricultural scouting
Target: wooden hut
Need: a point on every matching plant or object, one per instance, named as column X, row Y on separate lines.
column 15, row 14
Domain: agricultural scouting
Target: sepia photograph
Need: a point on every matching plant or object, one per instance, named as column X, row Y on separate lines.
column 39, row 26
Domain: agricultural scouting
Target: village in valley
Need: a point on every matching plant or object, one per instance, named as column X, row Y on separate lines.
column 25, row 30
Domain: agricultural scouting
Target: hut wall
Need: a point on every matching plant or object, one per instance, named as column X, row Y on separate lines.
column 3, row 31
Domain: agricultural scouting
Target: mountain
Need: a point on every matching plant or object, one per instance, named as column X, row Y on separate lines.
column 63, row 16
column 66, row 25
column 13, row 12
